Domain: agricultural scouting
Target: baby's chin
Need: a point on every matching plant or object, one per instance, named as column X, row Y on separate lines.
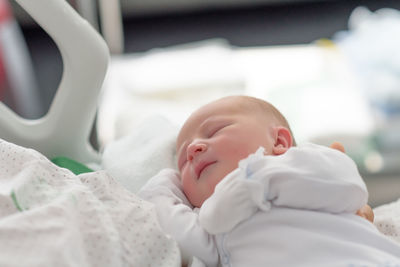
column 198, row 203
column 195, row 200
column 213, row 177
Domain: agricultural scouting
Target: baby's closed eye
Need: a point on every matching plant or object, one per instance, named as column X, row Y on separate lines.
column 217, row 128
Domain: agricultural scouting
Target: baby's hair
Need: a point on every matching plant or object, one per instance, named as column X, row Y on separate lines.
column 269, row 109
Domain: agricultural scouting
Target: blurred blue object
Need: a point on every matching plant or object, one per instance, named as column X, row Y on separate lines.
column 372, row 47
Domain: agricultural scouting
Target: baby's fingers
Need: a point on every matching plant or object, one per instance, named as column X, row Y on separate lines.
column 367, row 213
column 338, row 146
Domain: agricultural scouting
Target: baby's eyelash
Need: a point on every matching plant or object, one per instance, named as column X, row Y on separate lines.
column 217, row 129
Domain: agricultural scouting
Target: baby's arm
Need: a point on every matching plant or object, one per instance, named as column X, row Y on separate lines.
column 312, row 178
column 178, row 219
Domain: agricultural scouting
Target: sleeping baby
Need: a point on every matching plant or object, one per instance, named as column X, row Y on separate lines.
column 245, row 195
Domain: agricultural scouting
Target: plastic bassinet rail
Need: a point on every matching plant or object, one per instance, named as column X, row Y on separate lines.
column 65, row 129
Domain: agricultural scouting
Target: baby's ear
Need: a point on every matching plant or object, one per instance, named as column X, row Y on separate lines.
column 283, row 140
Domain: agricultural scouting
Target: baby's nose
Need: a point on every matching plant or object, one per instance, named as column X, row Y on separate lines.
column 195, row 149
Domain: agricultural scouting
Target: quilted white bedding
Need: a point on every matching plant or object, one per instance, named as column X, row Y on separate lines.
column 51, row 217
column 387, row 220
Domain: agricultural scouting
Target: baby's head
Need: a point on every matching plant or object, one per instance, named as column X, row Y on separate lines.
column 218, row 135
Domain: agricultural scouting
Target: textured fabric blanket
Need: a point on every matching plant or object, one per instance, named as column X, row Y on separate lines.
column 387, row 220
column 51, row 217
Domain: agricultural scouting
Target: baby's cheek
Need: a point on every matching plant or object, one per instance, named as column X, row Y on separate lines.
column 187, row 186
column 240, row 150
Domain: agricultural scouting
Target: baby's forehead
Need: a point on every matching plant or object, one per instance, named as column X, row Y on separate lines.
column 224, row 106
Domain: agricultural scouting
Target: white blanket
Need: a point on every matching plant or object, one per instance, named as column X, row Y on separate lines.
column 51, row 217
column 135, row 158
column 387, row 220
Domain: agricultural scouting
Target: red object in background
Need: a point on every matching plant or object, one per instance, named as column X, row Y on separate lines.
column 5, row 11
column 18, row 87
column 3, row 77
column 5, row 15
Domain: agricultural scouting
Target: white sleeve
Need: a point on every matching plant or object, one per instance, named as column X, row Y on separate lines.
column 178, row 219
column 309, row 177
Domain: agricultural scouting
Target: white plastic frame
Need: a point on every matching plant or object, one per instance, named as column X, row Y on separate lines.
column 65, row 129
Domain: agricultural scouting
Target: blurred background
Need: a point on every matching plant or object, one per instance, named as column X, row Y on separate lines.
column 331, row 66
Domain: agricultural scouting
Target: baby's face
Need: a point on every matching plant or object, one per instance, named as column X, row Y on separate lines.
column 212, row 142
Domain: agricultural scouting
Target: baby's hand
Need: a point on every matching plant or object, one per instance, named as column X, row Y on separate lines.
column 366, row 211
column 338, row 146
column 231, row 203
column 166, row 183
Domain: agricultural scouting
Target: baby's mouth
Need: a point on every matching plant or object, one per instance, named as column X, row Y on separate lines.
column 201, row 167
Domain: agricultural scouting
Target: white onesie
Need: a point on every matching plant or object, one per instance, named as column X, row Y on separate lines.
column 296, row 209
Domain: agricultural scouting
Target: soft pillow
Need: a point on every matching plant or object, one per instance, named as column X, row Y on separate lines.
column 135, row 158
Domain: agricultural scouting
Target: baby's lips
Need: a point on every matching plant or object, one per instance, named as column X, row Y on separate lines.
column 201, row 166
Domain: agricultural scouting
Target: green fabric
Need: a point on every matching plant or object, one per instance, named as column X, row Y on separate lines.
column 14, row 198
column 70, row 164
